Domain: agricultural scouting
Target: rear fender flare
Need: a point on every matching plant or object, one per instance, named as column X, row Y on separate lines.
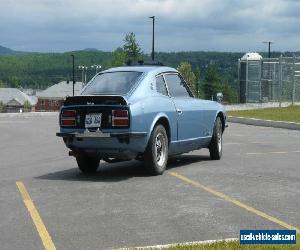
column 222, row 115
column 155, row 120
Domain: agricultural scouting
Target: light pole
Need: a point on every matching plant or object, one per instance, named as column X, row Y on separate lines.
column 153, row 22
column 73, row 63
column 86, row 68
column 269, row 56
column 83, row 69
column 96, row 67
column 269, row 43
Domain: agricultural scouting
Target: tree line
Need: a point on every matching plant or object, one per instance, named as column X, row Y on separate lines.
column 205, row 72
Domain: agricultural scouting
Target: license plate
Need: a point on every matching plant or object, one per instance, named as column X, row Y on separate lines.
column 93, row 120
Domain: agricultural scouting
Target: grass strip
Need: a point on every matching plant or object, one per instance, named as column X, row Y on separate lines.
column 288, row 114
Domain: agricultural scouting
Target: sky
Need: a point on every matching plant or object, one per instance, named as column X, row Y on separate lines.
column 181, row 25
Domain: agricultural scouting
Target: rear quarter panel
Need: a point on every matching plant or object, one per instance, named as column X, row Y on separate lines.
column 146, row 112
column 147, row 107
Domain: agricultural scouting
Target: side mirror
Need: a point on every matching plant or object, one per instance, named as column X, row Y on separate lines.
column 219, row 96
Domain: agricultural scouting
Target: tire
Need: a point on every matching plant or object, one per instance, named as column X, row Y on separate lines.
column 87, row 164
column 215, row 146
column 156, row 153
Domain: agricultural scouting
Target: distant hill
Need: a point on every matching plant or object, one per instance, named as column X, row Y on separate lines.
column 40, row 70
column 6, row 51
column 90, row 50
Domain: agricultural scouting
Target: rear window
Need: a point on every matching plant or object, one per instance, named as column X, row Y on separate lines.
column 112, row 83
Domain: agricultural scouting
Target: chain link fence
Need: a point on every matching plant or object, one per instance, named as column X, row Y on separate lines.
column 280, row 81
column 270, row 80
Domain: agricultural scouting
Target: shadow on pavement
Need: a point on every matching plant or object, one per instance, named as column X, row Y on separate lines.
column 119, row 171
column 182, row 160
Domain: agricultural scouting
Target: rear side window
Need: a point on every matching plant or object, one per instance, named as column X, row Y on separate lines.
column 176, row 86
column 113, row 83
column 161, row 86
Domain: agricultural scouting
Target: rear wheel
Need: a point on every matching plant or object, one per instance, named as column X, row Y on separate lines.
column 87, row 164
column 215, row 147
column 156, row 154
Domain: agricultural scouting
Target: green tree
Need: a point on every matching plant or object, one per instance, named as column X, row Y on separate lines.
column 197, row 82
column 2, row 85
column 211, row 82
column 229, row 94
column 132, row 48
column 213, row 85
column 27, row 106
column 186, row 71
column 212, row 74
column 119, row 57
column 14, row 81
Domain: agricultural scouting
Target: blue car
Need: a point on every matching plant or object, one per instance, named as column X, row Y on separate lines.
column 139, row 112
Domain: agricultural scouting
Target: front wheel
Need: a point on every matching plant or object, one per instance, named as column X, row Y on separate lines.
column 87, row 164
column 156, row 154
column 215, row 146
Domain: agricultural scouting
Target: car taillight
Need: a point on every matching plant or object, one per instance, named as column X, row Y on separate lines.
column 68, row 118
column 120, row 118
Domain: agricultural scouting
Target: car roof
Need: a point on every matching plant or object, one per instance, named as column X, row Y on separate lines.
column 144, row 69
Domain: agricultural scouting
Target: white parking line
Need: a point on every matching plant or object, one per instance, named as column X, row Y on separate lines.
column 244, row 143
column 275, row 152
column 10, row 121
column 233, row 143
column 258, row 142
column 191, row 243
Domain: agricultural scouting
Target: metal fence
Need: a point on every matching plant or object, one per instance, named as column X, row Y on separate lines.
column 270, row 80
column 280, row 79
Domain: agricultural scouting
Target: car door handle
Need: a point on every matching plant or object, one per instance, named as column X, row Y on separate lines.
column 179, row 111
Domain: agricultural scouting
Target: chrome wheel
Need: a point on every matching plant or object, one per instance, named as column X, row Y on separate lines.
column 156, row 153
column 160, row 149
column 219, row 136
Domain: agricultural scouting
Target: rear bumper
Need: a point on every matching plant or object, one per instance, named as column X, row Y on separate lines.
column 99, row 134
column 125, row 145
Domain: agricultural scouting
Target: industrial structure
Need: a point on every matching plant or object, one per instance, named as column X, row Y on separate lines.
column 268, row 79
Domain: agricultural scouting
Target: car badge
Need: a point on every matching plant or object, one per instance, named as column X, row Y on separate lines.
column 90, row 103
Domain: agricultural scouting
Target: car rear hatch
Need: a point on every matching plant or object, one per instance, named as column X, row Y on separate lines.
column 93, row 112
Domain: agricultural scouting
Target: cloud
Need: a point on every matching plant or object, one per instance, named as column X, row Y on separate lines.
column 224, row 25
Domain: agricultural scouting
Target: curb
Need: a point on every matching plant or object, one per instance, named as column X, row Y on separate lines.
column 264, row 123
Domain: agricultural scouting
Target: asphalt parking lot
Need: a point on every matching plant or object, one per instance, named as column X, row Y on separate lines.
column 256, row 185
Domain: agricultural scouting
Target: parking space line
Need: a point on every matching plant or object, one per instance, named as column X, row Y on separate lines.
column 243, row 143
column 233, row 143
column 36, row 218
column 234, row 201
column 266, row 153
column 275, row 152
